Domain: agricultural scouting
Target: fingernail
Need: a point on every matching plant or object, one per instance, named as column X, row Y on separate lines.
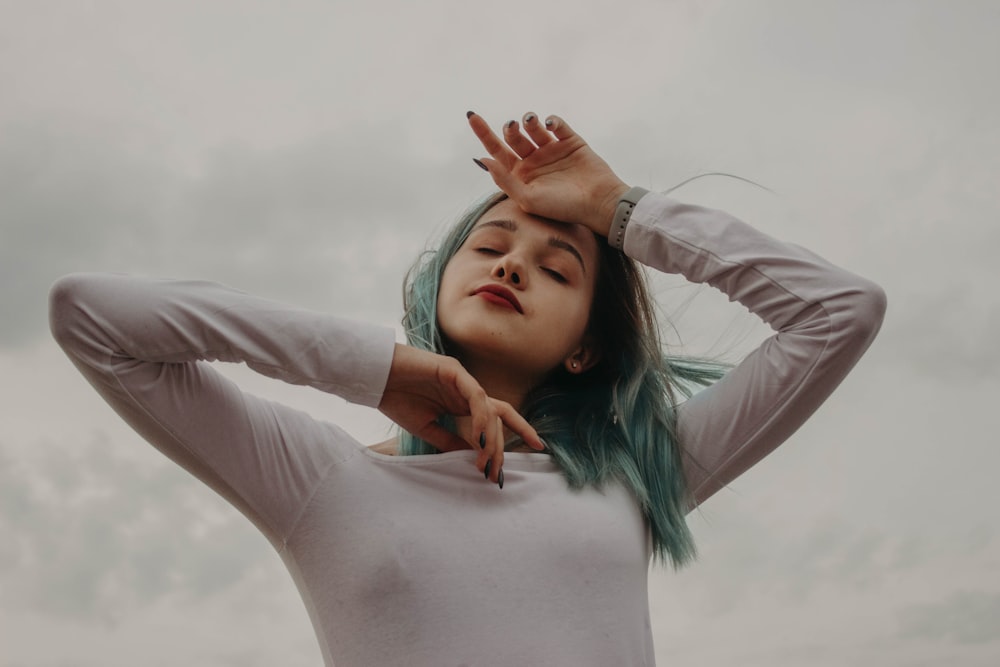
column 500, row 478
column 470, row 114
column 549, row 122
column 509, row 124
column 486, row 472
column 530, row 118
column 480, row 165
column 482, row 440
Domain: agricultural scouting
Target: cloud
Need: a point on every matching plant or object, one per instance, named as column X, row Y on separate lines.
column 303, row 223
column 964, row 617
column 65, row 200
column 937, row 241
column 96, row 534
column 838, row 591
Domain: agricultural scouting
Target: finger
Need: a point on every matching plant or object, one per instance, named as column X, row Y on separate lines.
column 487, row 426
column 497, row 149
column 535, row 130
column 492, row 437
column 501, row 176
column 519, row 425
column 483, row 415
column 497, row 458
column 519, row 143
column 558, row 127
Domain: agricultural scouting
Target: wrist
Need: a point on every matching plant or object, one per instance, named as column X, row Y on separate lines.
column 605, row 208
column 623, row 214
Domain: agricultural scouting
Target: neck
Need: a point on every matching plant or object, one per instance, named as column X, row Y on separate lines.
column 500, row 383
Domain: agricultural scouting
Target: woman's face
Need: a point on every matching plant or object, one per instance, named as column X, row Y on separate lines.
column 518, row 292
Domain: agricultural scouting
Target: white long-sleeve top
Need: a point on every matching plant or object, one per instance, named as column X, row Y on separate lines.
column 416, row 560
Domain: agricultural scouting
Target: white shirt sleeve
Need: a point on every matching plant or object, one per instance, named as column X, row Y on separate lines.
column 824, row 318
column 140, row 343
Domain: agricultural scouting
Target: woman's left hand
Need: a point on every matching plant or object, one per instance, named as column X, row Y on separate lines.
column 550, row 171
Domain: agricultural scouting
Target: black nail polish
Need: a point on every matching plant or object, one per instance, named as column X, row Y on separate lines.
column 549, row 122
column 509, row 124
column 486, row 472
column 500, row 478
column 480, row 165
column 470, row 114
column 530, row 118
column 482, row 441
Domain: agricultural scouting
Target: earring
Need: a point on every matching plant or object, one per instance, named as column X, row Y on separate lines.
column 574, row 365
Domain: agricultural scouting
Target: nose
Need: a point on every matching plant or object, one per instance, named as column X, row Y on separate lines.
column 510, row 270
column 514, row 278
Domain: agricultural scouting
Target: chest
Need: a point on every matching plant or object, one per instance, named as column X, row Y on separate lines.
column 395, row 533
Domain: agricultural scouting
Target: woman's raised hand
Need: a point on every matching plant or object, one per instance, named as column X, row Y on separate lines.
column 550, row 171
column 423, row 386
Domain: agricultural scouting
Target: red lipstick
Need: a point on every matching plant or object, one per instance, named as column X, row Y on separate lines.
column 499, row 295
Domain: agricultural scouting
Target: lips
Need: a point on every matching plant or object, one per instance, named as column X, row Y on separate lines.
column 499, row 295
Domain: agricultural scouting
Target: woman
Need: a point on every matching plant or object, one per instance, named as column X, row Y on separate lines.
column 415, row 559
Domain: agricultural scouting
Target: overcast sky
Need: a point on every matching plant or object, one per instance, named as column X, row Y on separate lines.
column 306, row 150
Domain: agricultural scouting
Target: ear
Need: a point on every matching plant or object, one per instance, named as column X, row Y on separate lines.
column 583, row 358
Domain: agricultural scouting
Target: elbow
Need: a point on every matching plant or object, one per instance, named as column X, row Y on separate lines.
column 872, row 304
column 66, row 308
column 864, row 313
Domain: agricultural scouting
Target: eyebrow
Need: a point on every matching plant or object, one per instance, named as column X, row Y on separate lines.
column 553, row 242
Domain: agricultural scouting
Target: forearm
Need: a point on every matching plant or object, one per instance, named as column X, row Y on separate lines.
column 140, row 342
column 95, row 316
column 825, row 318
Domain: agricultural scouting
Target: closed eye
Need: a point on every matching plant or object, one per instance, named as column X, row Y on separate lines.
column 556, row 275
column 488, row 251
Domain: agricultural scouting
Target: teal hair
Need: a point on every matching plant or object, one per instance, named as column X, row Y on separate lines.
column 614, row 422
